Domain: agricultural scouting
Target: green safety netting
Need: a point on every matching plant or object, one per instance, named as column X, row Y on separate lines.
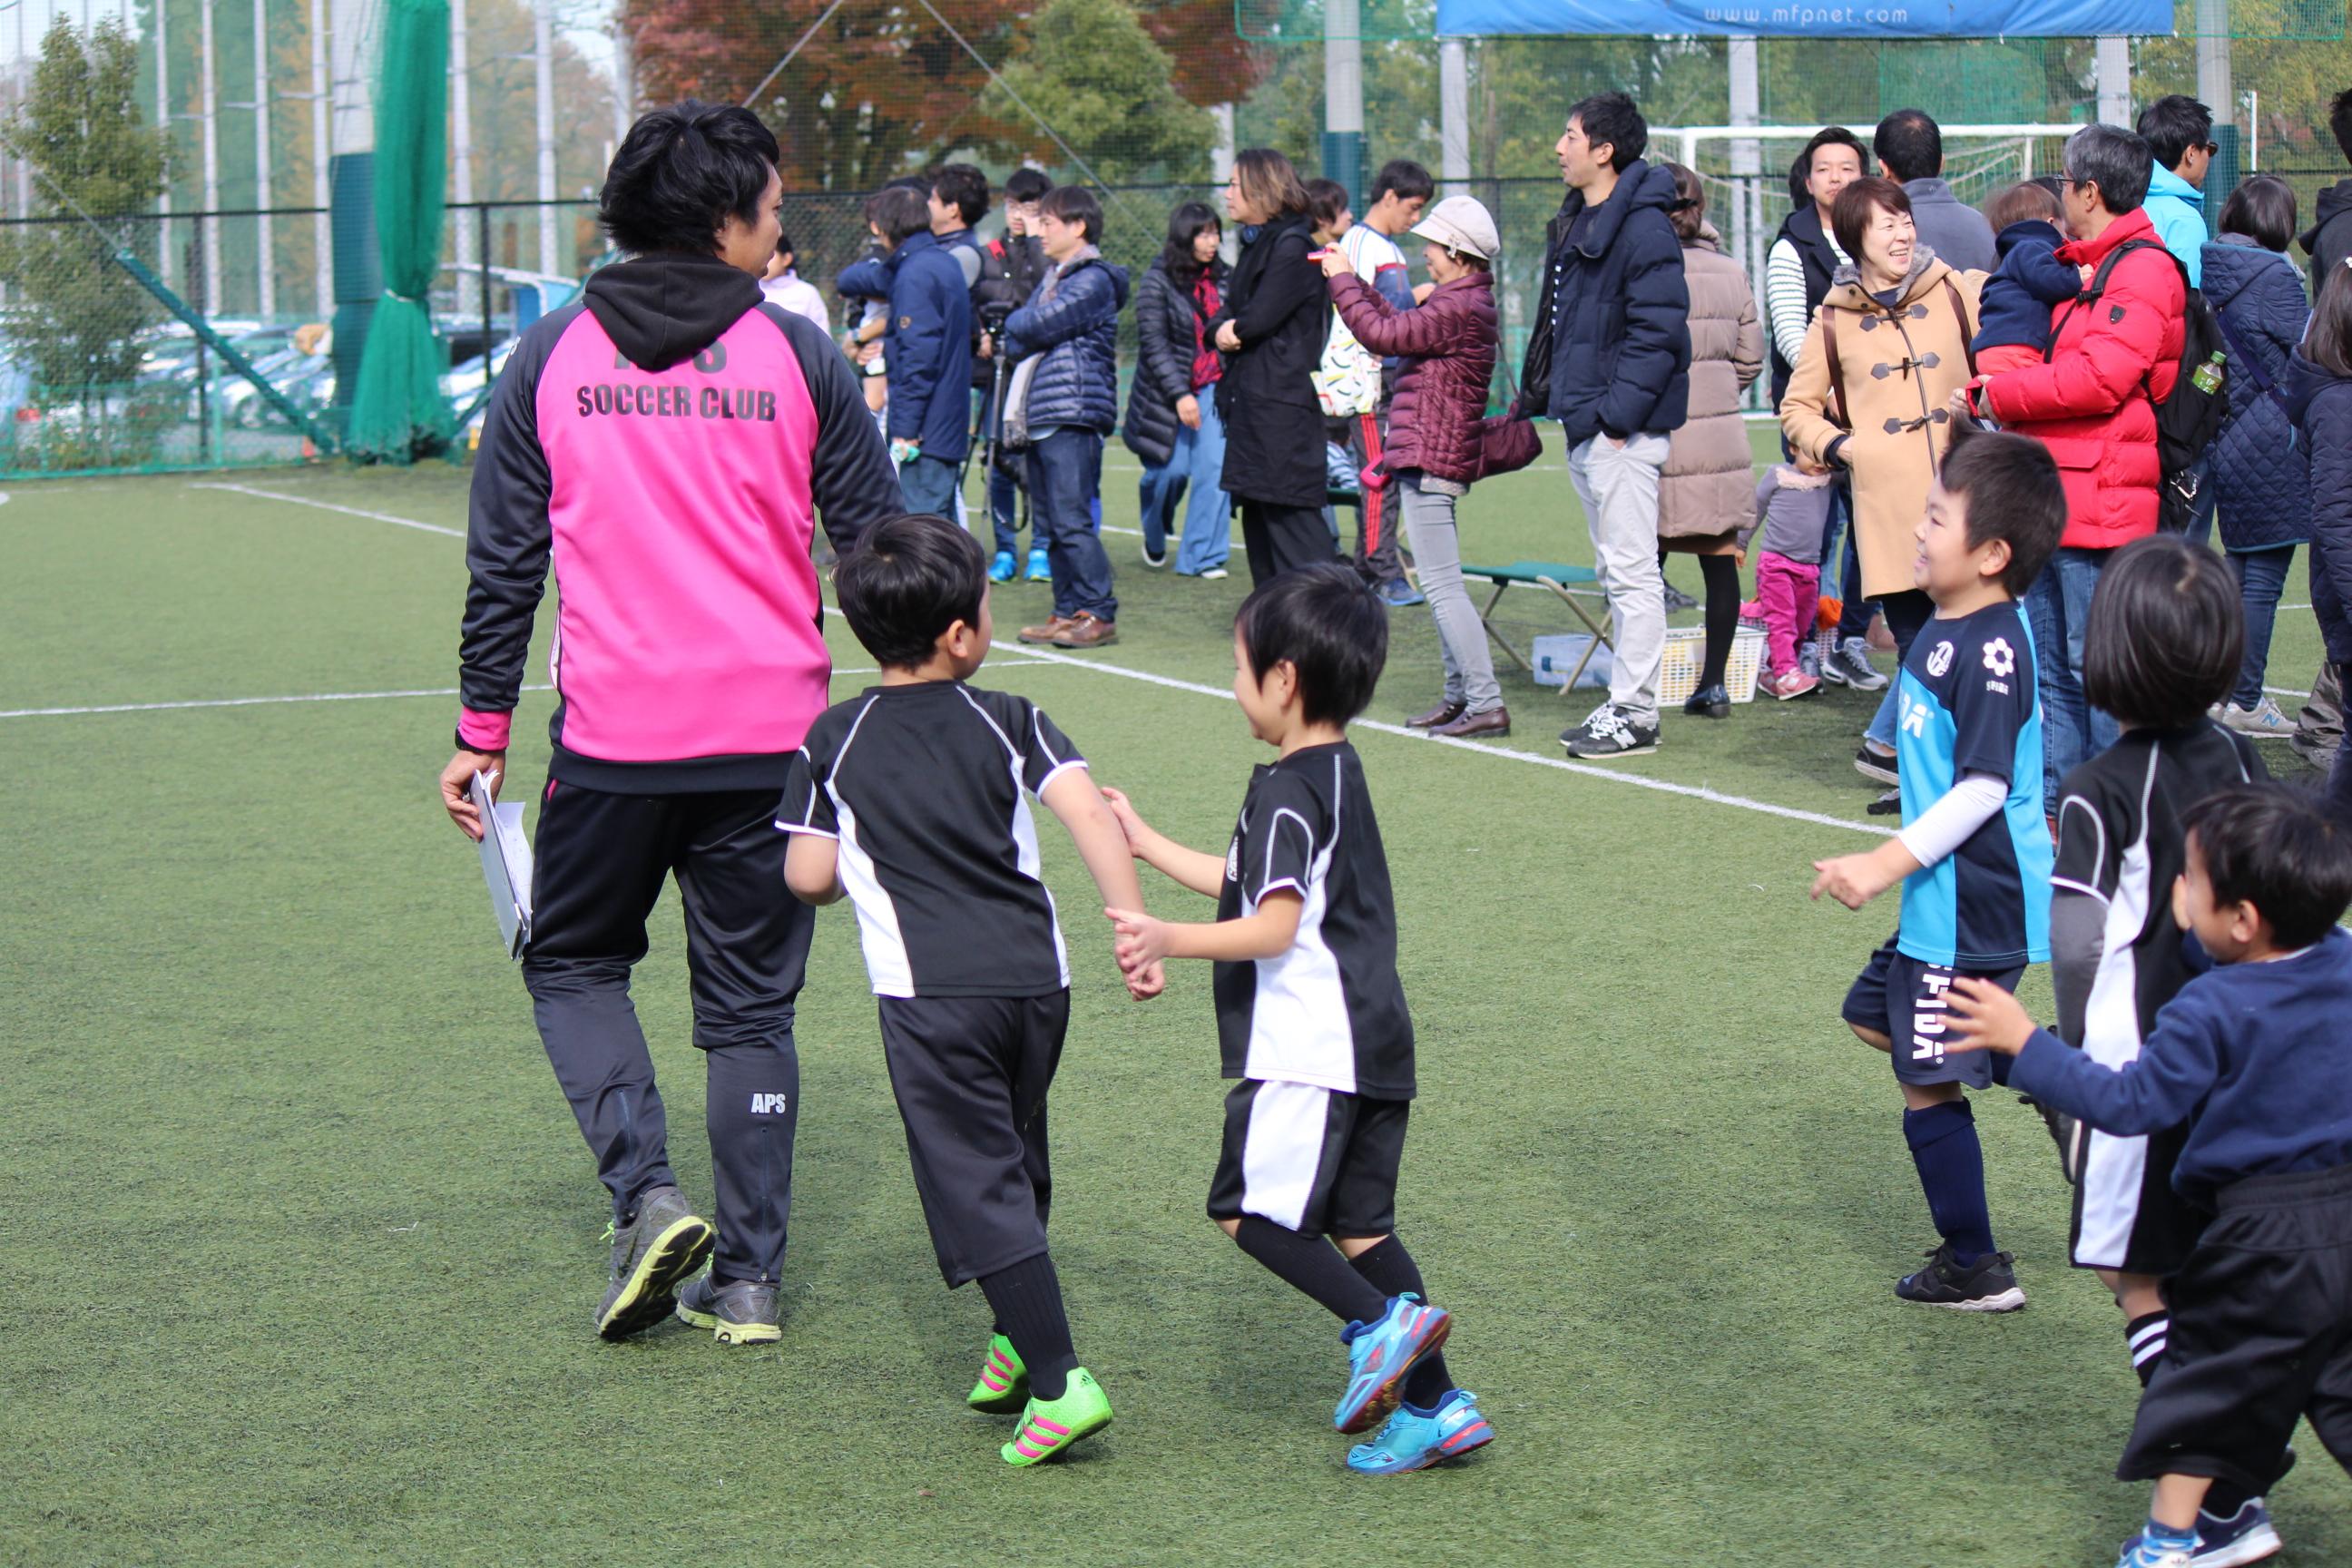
column 399, row 412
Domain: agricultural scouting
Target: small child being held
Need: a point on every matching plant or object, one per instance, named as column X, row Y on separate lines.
column 914, row 795
column 2013, row 312
column 2253, row 1061
column 1974, row 853
column 1312, row 1016
column 1793, row 513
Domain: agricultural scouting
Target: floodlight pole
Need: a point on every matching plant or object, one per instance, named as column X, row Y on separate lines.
column 1343, row 94
column 163, row 123
column 264, row 183
column 542, row 23
column 461, row 154
column 1746, row 101
column 210, row 126
column 2213, row 87
column 1454, row 116
column 2112, row 71
column 322, row 192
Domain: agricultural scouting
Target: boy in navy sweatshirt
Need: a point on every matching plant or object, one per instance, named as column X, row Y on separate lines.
column 2013, row 313
column 2250, row 1060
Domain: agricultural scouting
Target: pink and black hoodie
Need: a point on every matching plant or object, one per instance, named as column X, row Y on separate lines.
column 671, row 441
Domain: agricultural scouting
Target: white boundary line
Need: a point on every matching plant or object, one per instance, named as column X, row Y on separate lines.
column 1691, row 792
column 330, row 506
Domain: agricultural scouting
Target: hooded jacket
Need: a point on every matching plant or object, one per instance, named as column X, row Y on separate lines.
column 2093, row 403
column 1609, row 353
column 2176, row 208
column 1949, row 226
column 1900, row 368
column 2320, row 404
column 2262, row 474
column 2029, row 280
column 1707, row 489
column 670, row 440
column 2328, row 240
column 1076, row 384
column 1447, row 346
column 927, row 346
column 1166, row 324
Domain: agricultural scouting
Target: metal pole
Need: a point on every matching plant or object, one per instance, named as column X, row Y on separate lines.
column 1454, row 116
column 1746, row 95
column 625, row 87
column 461, row 150
column 265, row 187
column 358, row 267
column 322, row 227
column 2111, row 71
column 1343, row 94
column 210, row 124
column 542, row 19
column 163, row 257
column 482, row 244
column 2213, row 87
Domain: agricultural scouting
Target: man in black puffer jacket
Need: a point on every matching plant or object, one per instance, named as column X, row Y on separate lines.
column 1608, row 357
column 1064, row 407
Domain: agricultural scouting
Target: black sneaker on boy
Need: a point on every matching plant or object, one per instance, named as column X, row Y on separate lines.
column 1988, row 1285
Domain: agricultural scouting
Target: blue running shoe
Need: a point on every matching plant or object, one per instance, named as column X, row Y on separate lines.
column 1040, row 569
column 1001, row 569
column 1380, row 1355
column 2156, row 1547
column 1398, row 594
column 1416, row 1439
column 2246, row 1536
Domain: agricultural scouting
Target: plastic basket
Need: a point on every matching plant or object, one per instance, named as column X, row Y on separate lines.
column 1686, row 650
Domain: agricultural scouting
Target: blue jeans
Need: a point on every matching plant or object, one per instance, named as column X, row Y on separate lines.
column 1853, row 619
column 1065, row 472
column 2261, row 578
column 1907, row 614
column 2058, row 609
column 1205, row 522
column 929, row 484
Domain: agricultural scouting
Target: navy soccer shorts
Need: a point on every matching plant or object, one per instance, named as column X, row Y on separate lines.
column 1905, row 999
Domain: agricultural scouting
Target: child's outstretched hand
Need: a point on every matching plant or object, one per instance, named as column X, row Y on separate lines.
column 1981, row 1017
column 1147, row 981
column 1852, row 880
column 1141, row 941
column 1129, row 822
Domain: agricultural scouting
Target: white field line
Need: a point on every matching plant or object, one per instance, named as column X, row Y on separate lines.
column 330, row 506
column 1561, row 765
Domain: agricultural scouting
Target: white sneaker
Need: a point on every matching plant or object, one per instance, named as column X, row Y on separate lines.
column 1214, row 574
column 2264, row 721
column 1155, row 562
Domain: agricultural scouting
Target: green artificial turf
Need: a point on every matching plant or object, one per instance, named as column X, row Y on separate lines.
column 302, row 1242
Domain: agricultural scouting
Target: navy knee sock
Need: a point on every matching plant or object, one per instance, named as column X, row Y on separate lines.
column 1313, row 1267
column 1944, row 1147
column 1390, row 1270
column 1028, row 1301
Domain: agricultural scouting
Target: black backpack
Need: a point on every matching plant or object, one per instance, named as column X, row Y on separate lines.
column 2187, row 420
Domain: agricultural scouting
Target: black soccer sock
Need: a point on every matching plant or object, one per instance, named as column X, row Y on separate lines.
column 1722, row 574
column 1314, row 1267
column 2147, row 1334
column 1027, row 1300
column 1390, row 1270
column 1950, row 1162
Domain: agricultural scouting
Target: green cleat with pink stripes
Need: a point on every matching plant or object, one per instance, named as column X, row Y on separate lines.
column 1050, row 1426
column 1003, row 1385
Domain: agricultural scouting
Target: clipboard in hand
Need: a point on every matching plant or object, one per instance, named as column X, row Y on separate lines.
column 506, row 864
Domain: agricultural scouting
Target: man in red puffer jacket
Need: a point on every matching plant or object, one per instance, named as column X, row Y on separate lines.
column 2111, row 361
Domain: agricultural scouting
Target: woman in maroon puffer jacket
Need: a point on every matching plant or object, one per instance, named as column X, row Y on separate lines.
column 1448, row 345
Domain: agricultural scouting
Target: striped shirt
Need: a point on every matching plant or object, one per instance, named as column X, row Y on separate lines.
column 1784, row 296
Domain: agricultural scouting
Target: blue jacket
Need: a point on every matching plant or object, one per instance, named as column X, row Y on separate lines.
column 1077, row 332
column 2240, row 1059
column 2320, row 404
column 1610, row 349
column 928, row 349
column 2178, row 210
column 2261, row 473
column 2014, row 308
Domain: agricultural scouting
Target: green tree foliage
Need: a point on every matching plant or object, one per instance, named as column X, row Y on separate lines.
column 1094, row 72
column 75, row 317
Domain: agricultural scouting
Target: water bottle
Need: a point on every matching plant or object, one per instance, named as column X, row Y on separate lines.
column 2210, row 375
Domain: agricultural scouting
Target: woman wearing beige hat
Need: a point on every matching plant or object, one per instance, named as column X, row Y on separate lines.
column 1434, row 445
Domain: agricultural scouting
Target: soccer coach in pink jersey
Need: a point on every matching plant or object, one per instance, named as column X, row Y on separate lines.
column 671, row 441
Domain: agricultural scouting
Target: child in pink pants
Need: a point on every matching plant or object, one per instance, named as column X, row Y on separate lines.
column 1792, row 511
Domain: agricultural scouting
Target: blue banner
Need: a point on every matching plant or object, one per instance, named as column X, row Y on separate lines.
column 1881, row 19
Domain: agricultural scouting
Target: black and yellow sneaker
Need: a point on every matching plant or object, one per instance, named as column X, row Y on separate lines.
column 1988, row 1285
column 664, row 1242
column 744, row 1314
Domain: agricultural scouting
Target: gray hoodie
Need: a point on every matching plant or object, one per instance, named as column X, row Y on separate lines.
column 1958, row 231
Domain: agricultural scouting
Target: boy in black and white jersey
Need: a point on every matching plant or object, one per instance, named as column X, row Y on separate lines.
column 913, row 796
column 1310, row 1014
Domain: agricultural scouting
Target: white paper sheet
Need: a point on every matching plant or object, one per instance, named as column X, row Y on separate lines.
column 506, row 865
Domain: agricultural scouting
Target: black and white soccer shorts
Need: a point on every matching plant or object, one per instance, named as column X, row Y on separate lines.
column 1313, row 1160
column 2126, row 1215
column 1905, row 999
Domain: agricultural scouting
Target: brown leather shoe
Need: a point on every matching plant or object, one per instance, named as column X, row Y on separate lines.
column 1494, row 723
column 1443, row 713
column 1088, row 630
column 1054, row 627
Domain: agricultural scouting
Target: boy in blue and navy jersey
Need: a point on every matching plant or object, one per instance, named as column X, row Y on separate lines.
column 2249, row 1060
column 1974, row 854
